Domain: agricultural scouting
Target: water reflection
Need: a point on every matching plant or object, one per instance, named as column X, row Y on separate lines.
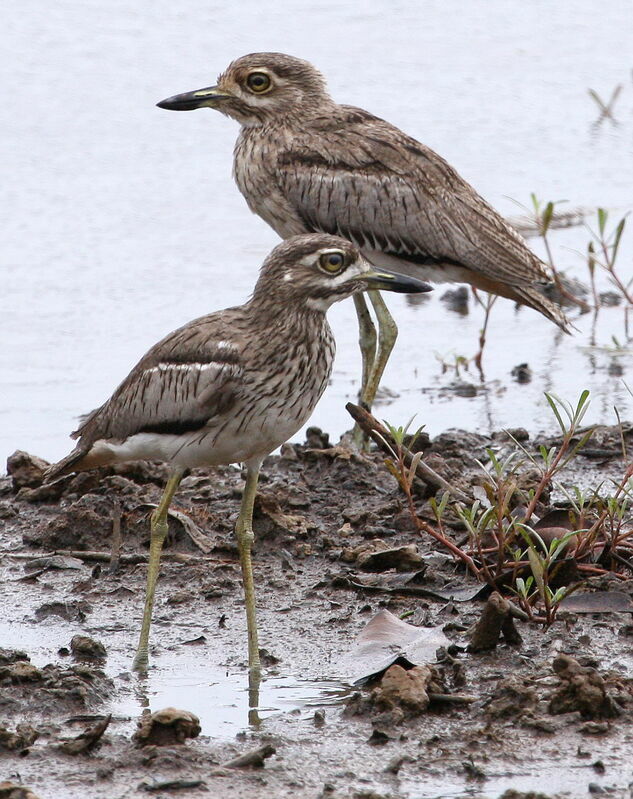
column 225, row 702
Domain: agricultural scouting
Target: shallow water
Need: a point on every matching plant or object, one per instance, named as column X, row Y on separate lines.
column 222, row 698
column 219, row 696
column 122, row 221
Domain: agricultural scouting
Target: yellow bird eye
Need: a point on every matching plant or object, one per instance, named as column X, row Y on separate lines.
column 258, row 82
column 332, row 262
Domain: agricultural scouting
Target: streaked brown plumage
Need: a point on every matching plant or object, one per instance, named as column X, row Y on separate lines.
column 305, row 163
column 231, row 386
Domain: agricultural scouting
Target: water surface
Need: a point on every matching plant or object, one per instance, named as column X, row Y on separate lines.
column 121, row 221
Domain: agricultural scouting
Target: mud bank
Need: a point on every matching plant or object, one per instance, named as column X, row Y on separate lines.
column 549, row 712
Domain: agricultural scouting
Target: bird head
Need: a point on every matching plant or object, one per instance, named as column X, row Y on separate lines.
column 315, row 270
column 257, row 88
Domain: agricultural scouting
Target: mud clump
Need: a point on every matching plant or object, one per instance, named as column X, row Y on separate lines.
column 20, row 672
column 512, row 698
column 495, row 621
column 85, row 648
column 582, row 689
column 24, row 736
column 401, row 694
column 27, row 688
column 404, row 689
column 11, row 656
column 166, row 727
column 9, row 790
column 78, row 527
column 25, row 470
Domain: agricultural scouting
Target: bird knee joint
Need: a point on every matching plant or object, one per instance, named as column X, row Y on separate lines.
column 245, row 537
column 388, row 332
column 159, row 525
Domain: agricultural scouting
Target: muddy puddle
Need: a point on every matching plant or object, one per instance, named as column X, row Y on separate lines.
column 223, row 701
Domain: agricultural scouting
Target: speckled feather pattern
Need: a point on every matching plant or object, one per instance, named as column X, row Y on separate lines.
column 225, row 388
column 319, row 166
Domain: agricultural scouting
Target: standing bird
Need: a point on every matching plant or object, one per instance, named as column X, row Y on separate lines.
column 306, row 164
column 231, row 387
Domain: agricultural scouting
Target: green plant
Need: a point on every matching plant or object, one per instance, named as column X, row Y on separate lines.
column 606, row 109
column 543, row 560
column 504, row 547
column 452, row 362
column 602, row 251
column 487, row 305
column 543, row 215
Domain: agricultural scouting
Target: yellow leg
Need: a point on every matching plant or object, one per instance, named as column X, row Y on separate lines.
column 367, row 341
column 254, row 681
column 387, row 335
column 158, row 531
column 245, row 538
column 366, row 338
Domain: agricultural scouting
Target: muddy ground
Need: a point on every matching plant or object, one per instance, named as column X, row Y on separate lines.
column 522, row 731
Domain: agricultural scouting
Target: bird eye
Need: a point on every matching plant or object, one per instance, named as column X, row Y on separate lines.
column 332, row 262
column 258, row 82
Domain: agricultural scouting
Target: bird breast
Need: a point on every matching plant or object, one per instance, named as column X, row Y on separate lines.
column 254, row 171
column 279, row 395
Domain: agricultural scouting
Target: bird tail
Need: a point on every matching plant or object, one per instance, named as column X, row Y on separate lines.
column 67, row 465
column 530, row 295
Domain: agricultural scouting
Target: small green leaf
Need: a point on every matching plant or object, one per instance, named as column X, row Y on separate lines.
column 602, row 220
column 443, row 502
column 536, row 565
column 547, row 217
column 616, row 243
column 535, row 203
column 550, row 399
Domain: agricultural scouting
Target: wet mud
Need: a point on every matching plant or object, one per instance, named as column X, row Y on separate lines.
column 530, row 712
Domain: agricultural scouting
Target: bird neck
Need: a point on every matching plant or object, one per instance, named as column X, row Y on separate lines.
column 291, row 117
column 273, row 311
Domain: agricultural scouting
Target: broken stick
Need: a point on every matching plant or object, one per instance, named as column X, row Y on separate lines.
column 381, row 436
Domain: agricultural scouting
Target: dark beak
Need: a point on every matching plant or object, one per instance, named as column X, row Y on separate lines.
column 189, row 101
column 391, row 281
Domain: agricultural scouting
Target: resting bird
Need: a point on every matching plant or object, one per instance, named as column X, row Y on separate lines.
column 305, row 163
column 231, row 387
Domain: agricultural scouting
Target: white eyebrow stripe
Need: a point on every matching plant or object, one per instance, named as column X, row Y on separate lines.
column 226, row 345
column 192, row 367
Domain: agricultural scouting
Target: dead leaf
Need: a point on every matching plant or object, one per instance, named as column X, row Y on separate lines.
column 53, row 562
column 555, row 518
column 412, row 584
column 293, row 523
column 151, row 785
column 598, row 602
column 202, row 541
column 87, row 739
column 404, row 558
column 387, row 639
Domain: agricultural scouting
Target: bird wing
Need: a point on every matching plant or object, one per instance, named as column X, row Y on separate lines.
column 355, row 175
column 183, row 382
